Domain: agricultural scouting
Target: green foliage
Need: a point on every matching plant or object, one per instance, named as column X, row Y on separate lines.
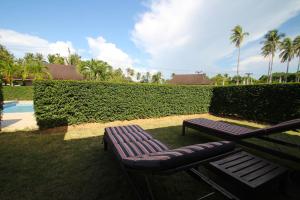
column 278, row 77
column 238, row 35
column 18, row 93
column 7, row 65
column 70, row 102
column 74, row 59
column 269, row 103
column 56, row 59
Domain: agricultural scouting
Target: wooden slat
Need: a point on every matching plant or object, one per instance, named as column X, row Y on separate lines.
column 256, row 174
column 247, row 164
column 271, row 174
column 237, row 162
column 248, row 169
column 230, row 158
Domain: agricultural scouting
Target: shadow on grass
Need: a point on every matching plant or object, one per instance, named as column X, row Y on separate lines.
column 45, row 166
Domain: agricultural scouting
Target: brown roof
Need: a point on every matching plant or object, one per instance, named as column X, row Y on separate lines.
column 64, row 72
column 190, row 79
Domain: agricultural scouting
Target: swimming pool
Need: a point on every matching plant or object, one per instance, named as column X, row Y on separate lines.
column 14, row 107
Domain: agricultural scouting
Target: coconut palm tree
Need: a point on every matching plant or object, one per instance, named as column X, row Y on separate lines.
column 271, row 44
column 266, row 52
column 147, row 76
column 138, row 76
column 296, row 44
column 286, row 53
column 157, row 78
column 237, row 37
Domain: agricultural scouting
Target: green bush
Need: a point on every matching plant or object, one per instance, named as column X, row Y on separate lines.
column 69, row 102
column 17, row 93
column 268, row 102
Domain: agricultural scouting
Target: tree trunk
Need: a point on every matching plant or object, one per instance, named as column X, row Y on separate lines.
column 271, row 66
column 297, row 75
column 268, row 79
column 287, row 71
column 237, row 67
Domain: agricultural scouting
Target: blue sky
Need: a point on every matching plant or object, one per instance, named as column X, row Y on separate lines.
column 151, row 35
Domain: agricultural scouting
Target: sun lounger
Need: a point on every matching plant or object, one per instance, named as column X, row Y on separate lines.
column 139, row 152
column 238, row 133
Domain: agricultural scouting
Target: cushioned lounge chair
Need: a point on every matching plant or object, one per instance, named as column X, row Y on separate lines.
column 139, row 152
column 237, row 133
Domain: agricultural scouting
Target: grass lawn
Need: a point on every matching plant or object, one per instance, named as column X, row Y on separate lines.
column 66, row 164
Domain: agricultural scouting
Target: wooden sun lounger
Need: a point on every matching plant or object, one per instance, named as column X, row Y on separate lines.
column 237, row 133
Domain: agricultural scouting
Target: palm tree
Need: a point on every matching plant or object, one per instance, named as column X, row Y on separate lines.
column 138, row 76
column 266, row 52
column 287, row 53
column 157, row 78
column 148, row 75
column 271, row 44
column 237, row 38
column 95, row 69
column 296, row 44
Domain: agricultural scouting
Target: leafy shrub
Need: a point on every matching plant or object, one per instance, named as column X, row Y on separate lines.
column 267, row 102
column 18, row 93
column 70, row 102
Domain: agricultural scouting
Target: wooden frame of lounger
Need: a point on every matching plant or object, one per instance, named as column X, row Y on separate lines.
column 191, row 169
column 240, row 140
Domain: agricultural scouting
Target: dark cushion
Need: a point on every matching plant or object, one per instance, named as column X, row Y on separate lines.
column 177, row 157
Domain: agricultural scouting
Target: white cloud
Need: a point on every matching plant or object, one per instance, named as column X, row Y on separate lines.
column 258, row 65
column 185, row 36
column 109, row 52
column 21, row 43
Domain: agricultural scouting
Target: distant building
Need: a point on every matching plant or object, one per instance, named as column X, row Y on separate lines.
column 190, row 79
column 57, row 72
column 64, row 72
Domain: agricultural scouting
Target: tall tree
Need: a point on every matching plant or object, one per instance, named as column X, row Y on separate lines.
column 138, row 76
column 95, row 69
column 296, row 44
column 7, row 66
column 266, row 52
column 74, row 59
column 237, row 37
column 33, row 65
column 157, row 78
column 271, row 44
column 147, row 76
column 56, row 59
column 130, row 72
column 286, row 53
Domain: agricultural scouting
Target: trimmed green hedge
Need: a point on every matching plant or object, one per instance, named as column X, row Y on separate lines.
column 69, row 102
column 267, row 102
column 17, row 93
column 59, row 103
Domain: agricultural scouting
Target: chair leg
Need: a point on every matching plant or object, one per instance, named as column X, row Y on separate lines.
column 183, row 129
column 105, row 144
column 149, row 189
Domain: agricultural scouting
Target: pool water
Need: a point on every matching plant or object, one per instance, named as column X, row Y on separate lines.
column 17, row 107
